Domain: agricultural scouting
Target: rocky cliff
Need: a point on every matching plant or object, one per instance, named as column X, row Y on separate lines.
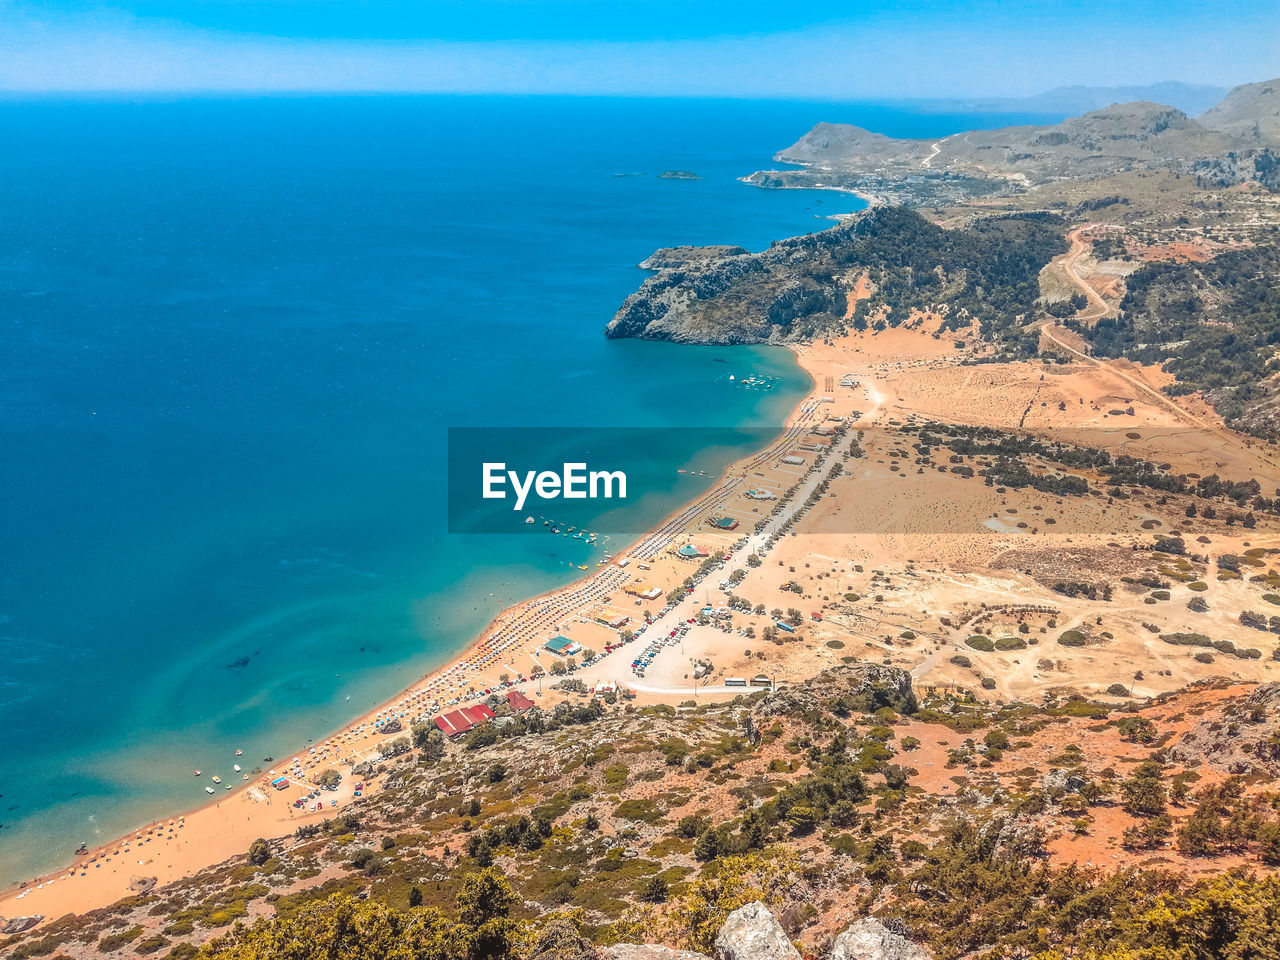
column 800, row 288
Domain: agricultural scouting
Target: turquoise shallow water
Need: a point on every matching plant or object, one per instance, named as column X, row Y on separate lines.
column 232, row 336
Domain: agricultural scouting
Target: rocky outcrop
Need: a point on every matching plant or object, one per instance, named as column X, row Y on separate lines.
column 1243, row 739
column 1059, row 782
column 700, row 295
column 845, row 681
column 645, row 951
column 870, row 939
column 671, row 258
column 753, row 933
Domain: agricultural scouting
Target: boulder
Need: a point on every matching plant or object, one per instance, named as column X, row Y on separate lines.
column 644, row 951
column 1059, row 782
column 870, row 939
column 753, row 933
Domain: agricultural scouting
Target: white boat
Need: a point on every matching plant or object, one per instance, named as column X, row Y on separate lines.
column 208, row 789
column 236, row 767
column 217, row 779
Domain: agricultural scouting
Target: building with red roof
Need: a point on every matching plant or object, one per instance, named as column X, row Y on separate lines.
column 457, row 722
column 519, row 702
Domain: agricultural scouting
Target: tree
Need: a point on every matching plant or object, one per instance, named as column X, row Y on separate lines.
column 329, row 779
column 1144, row 793
column 259, row 852
column 707, row 846
column 803, row 820
column 656, row 891
column 483, row 904
column 415, row 897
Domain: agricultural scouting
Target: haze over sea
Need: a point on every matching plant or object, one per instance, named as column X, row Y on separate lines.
column 232, row 336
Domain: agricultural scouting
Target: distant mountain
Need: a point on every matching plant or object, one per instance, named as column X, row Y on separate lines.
column 1102, row 142
column 1231, row 142
column 1190, row 98
column 1250, row 112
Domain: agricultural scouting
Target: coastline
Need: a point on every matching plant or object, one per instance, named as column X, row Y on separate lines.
column 208, row 833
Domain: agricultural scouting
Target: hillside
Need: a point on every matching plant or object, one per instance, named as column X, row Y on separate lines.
column 1250, row 113
column 804, row 287
column 950, row 821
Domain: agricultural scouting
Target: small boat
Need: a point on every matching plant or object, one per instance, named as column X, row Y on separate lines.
column 528, row 519
column 239, row 753
column 197, row 773
column 217, row 779
column 235, row 767
column 208, row 789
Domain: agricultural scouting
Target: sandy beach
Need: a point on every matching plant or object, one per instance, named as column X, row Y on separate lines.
column 925, row 545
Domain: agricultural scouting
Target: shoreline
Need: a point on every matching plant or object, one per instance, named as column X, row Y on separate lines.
column 209, row 824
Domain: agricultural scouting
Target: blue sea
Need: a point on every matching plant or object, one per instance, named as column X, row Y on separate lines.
column 233, row 334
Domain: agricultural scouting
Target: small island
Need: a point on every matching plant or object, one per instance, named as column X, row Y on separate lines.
column 678, row 175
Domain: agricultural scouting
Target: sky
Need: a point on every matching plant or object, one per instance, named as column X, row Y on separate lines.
column 747, row 48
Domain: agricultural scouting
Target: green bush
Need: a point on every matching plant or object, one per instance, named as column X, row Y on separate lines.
column 1072, row 638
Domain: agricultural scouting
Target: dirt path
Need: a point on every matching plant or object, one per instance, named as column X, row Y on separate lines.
column 1228, row 437
column 927, row 162
column 1098, row 308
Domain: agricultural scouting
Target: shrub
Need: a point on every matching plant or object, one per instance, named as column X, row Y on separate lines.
column 979, row 642
column 1072, row 638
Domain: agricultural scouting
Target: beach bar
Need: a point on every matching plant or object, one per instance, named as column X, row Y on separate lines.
column 562, row 646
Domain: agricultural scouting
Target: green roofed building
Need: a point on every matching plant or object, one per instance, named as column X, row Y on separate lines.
column 562, row 646
column 725, row 523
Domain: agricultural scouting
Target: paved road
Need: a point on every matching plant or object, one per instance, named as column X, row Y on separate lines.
column 688, row 608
